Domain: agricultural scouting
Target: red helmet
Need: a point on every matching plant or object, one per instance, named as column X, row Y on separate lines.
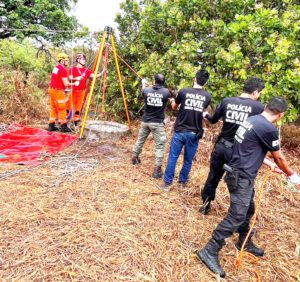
column 80, row 56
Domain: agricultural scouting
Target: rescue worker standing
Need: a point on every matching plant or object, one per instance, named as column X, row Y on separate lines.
column 81, row 74
column 253, row 139
column 233, row 111
column 155, row 99
column 188, row 128
column 57, row 98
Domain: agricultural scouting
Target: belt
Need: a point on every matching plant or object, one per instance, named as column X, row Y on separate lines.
column 57, row 89
column 226, row 143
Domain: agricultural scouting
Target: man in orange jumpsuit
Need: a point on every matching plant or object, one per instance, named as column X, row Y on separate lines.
column 57, row 98
column 81, row 74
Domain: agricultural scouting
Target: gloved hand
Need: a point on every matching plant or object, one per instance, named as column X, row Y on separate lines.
column 205, row 114
column 144, row 81
column 294, row 178
column 76, row 83
column 78, row 78
column 172, row 100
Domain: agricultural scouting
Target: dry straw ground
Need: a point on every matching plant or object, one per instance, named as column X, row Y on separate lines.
column 106, row 220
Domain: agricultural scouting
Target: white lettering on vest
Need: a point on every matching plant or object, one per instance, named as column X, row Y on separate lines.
column 194, row 102
column 155, row 99
column 237, row 113
column 240, row 133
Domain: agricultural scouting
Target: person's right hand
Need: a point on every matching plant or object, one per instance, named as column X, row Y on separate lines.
column 144, row 81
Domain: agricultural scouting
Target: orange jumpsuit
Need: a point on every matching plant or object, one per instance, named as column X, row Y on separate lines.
column 77, row 94
column 57, row 97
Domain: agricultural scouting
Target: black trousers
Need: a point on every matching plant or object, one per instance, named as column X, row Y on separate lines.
column 221, row 154
column 241, row 208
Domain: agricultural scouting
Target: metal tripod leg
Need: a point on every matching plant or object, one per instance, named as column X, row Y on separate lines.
column 93, row 84
column 104, row 81
column 120, row 79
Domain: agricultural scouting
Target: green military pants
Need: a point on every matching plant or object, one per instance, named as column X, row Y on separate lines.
column 158, row 132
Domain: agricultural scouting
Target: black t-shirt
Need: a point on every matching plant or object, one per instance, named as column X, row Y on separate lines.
column 192, row 102
column 234, row 111
column 156, row 98
column 253, row 139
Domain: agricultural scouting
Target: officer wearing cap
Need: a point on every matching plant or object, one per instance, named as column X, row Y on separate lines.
column 155, row 99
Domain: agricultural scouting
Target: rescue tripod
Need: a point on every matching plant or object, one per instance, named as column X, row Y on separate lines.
column 106, row 38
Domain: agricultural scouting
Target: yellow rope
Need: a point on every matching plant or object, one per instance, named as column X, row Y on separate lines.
column 242, row 253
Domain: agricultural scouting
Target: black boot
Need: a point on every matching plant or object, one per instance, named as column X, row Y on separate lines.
column 135, row 160
column 64, row 128
column 76, row 123
column 205, row 208
column 209, row 255
column 157, row 172
column 249, row 246
column 52, row 127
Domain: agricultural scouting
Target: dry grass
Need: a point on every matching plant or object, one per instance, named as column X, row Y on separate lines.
column 114, row 224
column 291, row 136
column 21, row 99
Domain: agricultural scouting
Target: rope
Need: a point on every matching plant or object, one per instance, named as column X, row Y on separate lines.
column 130, row 67
column 242, row 253
column 71, row 93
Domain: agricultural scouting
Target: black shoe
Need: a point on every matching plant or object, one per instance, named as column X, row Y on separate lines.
column 249, row 246
column 135, row 160
column 205, row 208
column 52, row 127
column 64, row 128
column 209, row 255
column 157, row 173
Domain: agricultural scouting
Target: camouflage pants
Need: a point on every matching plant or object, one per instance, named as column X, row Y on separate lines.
column 158, row 132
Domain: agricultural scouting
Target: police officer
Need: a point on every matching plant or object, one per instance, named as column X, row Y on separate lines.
column 232, row 111
column 155, row 99
column 253, row 139
column 188, row 128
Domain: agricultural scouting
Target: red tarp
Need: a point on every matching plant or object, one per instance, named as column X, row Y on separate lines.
column 27, row 145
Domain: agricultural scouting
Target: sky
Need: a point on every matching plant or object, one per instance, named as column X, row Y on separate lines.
column 96, row 14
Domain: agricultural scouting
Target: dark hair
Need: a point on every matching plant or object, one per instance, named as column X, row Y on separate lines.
column 202, row 76
column 159, row 79
column 252, row 84
column 277, row 105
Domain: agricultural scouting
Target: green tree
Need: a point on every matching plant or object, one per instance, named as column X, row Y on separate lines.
column 233, row 39
column 37, row 15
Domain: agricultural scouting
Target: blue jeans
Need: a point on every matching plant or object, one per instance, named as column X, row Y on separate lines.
column 190, row 142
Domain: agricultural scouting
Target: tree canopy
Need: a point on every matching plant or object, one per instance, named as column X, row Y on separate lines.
column 37, row 15
column 233, row 39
